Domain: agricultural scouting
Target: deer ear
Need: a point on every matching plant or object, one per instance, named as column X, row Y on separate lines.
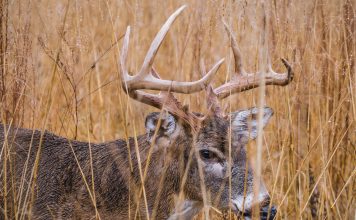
column 245, row 122
column 166, row 122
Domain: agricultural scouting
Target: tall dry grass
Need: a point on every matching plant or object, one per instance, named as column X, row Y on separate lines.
column 59, row 71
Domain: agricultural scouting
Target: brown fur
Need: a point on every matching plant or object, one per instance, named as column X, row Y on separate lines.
column 61, row 193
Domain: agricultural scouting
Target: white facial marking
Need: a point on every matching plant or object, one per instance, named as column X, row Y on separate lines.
column 249, row 201
column 217, row 169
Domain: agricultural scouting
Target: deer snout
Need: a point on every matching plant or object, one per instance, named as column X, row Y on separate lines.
column 266, row 213
column 244, row 205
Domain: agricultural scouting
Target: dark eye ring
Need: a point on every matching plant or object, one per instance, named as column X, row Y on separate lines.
column 206, row 154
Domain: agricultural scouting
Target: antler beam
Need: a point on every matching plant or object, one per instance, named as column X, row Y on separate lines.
column 242, row 81
column 148, row 78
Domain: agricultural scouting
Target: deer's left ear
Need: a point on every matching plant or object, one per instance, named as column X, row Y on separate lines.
column 164, row 123
column 245, row 122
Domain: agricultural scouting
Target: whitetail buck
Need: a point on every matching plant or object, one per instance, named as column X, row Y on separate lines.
column 187, row 154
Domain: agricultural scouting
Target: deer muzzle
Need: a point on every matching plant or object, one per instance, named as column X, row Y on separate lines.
column 243, row 206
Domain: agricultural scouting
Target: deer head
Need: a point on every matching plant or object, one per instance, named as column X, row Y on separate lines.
column 209, row 148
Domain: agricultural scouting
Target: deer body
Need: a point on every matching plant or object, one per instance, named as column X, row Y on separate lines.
column 61, row 192
column 60, row 189
column 193, row 160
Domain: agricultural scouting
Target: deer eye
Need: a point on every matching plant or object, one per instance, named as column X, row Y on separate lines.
column 206, row 154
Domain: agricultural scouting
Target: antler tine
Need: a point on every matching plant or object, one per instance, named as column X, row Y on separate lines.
column 209, row 76
column 145, row 80
column 156, row 43
column 123, row 55
column 212, row 100
column 245, row 81
column 236, row 51
column 290, row 73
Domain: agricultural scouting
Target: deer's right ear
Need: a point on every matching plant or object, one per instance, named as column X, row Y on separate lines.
column 245, row 122
column 164, row 124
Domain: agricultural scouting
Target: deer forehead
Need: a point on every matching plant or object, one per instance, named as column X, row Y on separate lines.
column 214, row 134
column 214, row 127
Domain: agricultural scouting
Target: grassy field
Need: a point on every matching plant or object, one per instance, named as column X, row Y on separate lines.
column 60, row 72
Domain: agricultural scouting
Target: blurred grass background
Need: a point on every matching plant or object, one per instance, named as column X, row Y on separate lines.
column 59, row 71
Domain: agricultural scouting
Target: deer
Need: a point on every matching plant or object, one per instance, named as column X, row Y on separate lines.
column 185, row 162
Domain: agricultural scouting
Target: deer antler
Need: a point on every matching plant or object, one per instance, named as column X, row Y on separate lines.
column 148, row 78
column 243, row 81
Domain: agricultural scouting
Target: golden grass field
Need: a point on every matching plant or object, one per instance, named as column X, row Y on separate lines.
column 60, row 72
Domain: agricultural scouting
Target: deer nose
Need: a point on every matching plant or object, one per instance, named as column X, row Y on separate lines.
column 268, row 213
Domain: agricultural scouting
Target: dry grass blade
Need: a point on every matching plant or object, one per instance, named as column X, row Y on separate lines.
column 49, row 51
